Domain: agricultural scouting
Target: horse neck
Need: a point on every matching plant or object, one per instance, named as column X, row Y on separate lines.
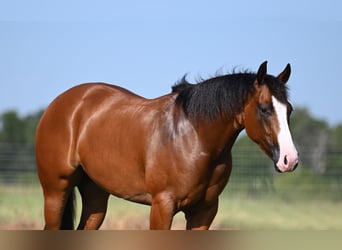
column 218, row 135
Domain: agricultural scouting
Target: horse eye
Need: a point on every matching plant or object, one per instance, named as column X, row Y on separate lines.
column 266, row 110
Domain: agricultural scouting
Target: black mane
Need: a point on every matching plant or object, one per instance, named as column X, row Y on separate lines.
column 222, row 95
column 181, row 85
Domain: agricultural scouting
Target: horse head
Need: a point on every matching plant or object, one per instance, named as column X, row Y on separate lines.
column 266, row 118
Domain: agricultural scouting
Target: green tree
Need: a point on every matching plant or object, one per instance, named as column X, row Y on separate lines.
column 16, row 129
column 16, row 145
column 12, row 127
column 31, row 122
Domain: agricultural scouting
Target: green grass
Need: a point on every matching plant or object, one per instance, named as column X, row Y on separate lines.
column 22, row 208
column 267, row 213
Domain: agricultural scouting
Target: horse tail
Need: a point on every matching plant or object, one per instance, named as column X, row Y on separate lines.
column 69, row 212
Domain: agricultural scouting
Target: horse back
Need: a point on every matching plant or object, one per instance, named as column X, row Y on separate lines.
column 66, row 117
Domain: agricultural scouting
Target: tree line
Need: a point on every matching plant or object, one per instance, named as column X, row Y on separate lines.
column 319, row 146
column 17, row 129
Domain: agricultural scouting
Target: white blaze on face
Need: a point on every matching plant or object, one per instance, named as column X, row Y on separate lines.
column 288, row 155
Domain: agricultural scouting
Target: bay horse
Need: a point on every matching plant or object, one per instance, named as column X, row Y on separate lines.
column 172, row 152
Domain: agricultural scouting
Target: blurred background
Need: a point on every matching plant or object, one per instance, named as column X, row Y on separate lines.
column 46, row 48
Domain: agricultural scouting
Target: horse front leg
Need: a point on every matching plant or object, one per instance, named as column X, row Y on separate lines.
column 201, row 216
column 162, row 212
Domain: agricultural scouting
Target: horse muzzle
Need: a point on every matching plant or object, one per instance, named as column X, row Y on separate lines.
column 287, row 162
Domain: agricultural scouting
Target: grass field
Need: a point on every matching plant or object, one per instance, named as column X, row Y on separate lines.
column 22, row 208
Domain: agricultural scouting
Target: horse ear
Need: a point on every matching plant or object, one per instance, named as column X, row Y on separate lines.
column 285, row 75
column 262, row 72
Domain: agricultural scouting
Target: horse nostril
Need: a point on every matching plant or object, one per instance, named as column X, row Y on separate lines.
column 295, row 166
column 285, row 160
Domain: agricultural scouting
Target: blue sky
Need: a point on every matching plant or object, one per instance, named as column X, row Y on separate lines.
column 145, row 46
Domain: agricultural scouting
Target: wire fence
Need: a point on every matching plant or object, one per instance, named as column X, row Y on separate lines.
column 253, row 174
column 318, row 177
column 17, row 164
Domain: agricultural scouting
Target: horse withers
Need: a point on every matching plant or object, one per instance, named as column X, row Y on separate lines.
column 172, row 152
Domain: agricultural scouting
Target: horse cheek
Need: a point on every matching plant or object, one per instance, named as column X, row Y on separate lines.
column 252, row 127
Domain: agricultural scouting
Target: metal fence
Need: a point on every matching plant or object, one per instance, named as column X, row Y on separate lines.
column 253, row 174
column 318, row 177
column 17, row 164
